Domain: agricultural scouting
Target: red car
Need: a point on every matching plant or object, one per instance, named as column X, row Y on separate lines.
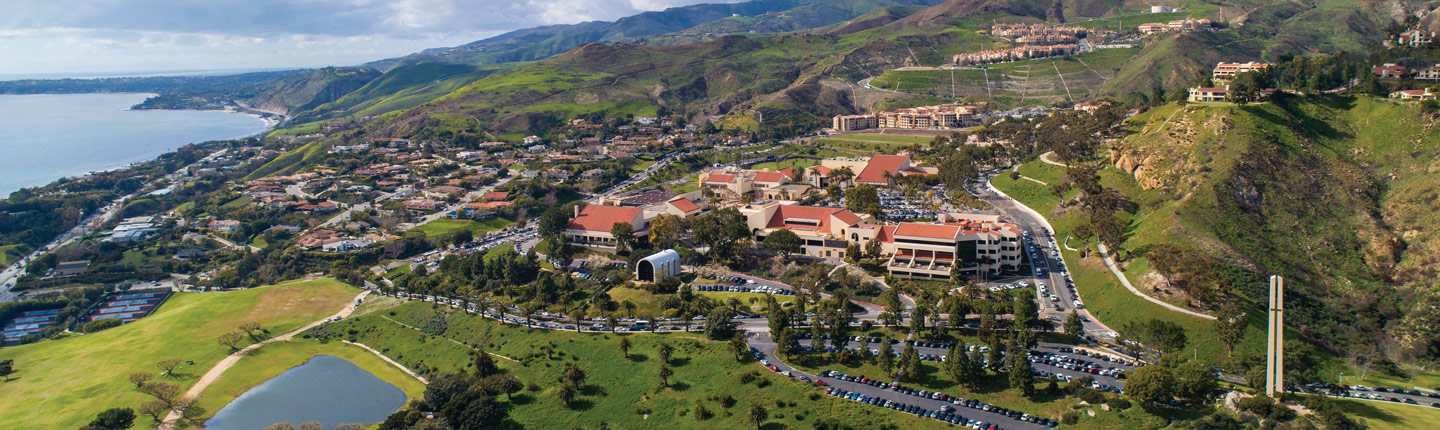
column 772, row 367
column 821, row 383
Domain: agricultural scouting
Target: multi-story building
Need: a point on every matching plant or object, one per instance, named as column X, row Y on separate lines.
column 1428, row 73
column 964, row 244
column 1415, row 38
column 733, row 182
column 1018, row 53
column 924, row 117
column 822, row 231
column 592, row 225
column 1228, row 71
column 879, row 170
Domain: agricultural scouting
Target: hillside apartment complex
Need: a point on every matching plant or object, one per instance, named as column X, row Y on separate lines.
column 1177, row 26
column 925, row 117
column 967, row 244
column 1228, row 71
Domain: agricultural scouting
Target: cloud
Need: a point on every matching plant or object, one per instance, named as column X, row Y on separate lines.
column 56, row 36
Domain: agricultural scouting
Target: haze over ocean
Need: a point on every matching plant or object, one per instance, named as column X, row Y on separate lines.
column 49, row 136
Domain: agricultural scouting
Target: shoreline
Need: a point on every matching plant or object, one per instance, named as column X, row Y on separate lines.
column 269, row 124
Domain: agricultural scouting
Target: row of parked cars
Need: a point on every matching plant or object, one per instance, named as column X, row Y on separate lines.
column 746, row 289
column 1069, row 363
column 1363, row 392
column 947, row 413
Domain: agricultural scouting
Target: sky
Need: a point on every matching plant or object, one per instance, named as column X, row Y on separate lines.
column 81, row 37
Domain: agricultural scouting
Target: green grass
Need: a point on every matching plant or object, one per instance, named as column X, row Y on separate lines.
column 63, row 383
column 618, row 389
column 794, row 163
column 446, row 227
column 260, row 241
column 236, row 204
column 745, row 298
column 1390, row 416
column 9, row 251
column 275, row 358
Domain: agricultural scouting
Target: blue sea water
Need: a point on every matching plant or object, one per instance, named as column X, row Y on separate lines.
column 45, row 137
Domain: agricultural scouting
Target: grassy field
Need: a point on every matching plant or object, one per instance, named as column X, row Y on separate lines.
column 794, row 163
column 275, row 358
column 618, row 390
column 1046, row 80
column 447, row 227
column 746, row 298
column 63, row 383
column 5, row 252
column 1391, row 416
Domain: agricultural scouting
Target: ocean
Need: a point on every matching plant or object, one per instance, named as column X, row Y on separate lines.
column 45, row 137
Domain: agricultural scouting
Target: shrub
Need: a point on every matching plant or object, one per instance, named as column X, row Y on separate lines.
column 532, row 387
column 1070, row 418
column 1091, row 396
column 1258, row 405
column 98, row 325
column 1118, row 403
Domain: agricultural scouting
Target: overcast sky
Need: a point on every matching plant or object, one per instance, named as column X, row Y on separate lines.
column 99, row 36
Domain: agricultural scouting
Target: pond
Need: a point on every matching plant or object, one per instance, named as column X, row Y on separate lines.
column 327, row 389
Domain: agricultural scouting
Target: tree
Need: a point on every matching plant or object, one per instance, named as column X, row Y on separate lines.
column 1230, row 326
column 1245, row 88
column 166, row 392
column 114, row 419
column 853, row 252
column 887, row 357
column 665, row 230
column 782, row 243
column 717, row 323
column 168, row 366
column 280, row 426
column 566, row 394
column 314, row 425
column 996, row 360
column 860, row 197
column 625, row 347
column 506, row 383
column 574, row 375
column 910, row 363
column 665, row 374
column 758, row 415
column 140, row 378
column 1149, row 385
column 484, row 363
column 1074, row 325
column 737, row 346
column 664, row 350
column 231, row 339
column 724, row 231
column 155, row 409
column 629, row 308
column 955, row 363
column 7, row 367
column 553, row 221
column 624, row 235
column 1193, row 381
column 1020, row 374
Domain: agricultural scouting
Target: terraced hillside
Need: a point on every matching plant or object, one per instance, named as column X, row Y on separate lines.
column 1044, row 81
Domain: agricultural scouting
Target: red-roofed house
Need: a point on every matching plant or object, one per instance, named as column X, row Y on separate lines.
column 497, row 196
column 591, row 225
column 1391, row 71
column 1420, row 94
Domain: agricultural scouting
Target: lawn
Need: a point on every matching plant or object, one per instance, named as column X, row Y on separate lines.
column 5, row 252
column 618, row 389
column 1390, row 416
column 754, row 301
column 260, row 241
column 447, row 227
column 794, row 163
column 63, row 383
column 275, row 358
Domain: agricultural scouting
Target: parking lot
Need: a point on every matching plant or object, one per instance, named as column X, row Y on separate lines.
column 900, row 207
column 738, row 284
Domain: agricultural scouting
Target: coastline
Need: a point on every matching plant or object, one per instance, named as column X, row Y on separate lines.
column 268, row 123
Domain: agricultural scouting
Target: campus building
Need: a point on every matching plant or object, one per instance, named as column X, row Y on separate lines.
column 822, row 231
column 967, row 244
column 1028, row 52
column 732, row 183
column 925, row 117
column 659, row 266
column 879, row 170
column 591, row 226
column 1228, row 71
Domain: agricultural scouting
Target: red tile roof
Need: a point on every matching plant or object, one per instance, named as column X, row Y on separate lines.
column 847, row 217
column 601, row 218
column 717, row 177
column 819, row 214
column 684, row 205
column 822, row 170
column 788, row 172
column 934, row 231
column 874, row 172
column 768, row 176
column 497, row 195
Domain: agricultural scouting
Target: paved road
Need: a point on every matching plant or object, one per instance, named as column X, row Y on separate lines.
column 1048, row 259
column 766, row 347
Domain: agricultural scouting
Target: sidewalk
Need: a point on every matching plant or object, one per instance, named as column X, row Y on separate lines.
column 1105, row 253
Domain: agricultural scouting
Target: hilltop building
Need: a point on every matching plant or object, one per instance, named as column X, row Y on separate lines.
column 1415, row 38
column 1018, row 53
column 925, row 117
column 1228, row 71
column 1391, row 71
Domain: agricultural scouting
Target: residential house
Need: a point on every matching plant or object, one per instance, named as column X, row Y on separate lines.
column 1391, row 71
column 1208, row 94
column 1428, row 74
column 227, row 226
column 1416, row 38
column 1420, row 94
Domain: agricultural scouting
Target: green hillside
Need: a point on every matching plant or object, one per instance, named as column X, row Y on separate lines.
column 303, row 92
column 1333, row 193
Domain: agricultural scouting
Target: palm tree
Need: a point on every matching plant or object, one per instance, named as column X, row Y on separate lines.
column 629, row 308
column 612, row 322
column 664, row 351
column 574, row 375
column 566, row 394
column 758, row 415
column 665, row 374
column 734, row 304
column 625, row 346
column 737, row 345
column 529, row 312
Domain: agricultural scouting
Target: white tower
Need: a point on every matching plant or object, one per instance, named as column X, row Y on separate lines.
column 1275, row 342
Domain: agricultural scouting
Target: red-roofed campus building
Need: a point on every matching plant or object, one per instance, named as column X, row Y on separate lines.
column 591, row 226
column 732, row 183
column 823, row 230
column 972, row 245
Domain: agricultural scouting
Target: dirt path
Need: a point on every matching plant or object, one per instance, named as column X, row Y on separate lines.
column 388, row 360
column 229, row 361
column 1105, row 254
column 1062, row 81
